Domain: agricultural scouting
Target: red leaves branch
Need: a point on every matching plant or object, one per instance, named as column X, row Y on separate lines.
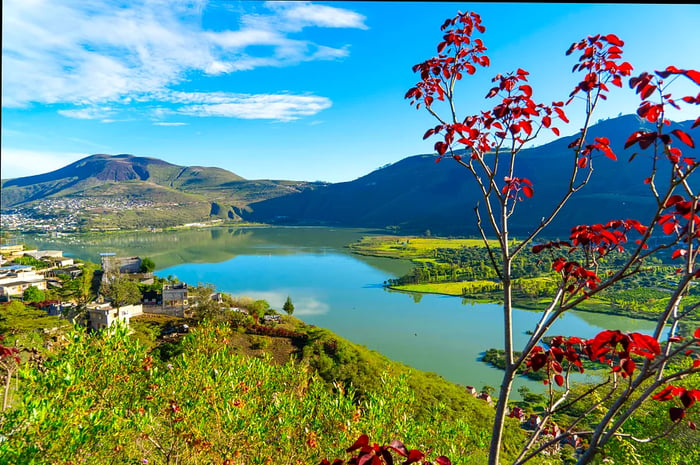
column 375, row 454
column 687, row 398
column 613, row 348
column 513, row 187
column 600, row 61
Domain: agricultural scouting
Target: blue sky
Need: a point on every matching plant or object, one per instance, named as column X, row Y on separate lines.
column 276, row 90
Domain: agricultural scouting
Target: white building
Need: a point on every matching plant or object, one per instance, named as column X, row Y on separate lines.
column 104, row 315
column 14, row 280
column 39, row 254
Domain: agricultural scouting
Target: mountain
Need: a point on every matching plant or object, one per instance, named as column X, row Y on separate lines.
column 416, row 194
column 101, row 169
column 130, row 191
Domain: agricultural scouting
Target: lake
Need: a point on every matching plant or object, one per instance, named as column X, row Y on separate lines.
column 334, row 289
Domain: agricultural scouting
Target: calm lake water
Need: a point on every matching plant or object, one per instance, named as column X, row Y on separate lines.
column 334, row 289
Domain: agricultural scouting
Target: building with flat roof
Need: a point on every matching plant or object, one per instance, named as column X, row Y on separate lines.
column 104, row 315
column 115, row 265
column 15, row 279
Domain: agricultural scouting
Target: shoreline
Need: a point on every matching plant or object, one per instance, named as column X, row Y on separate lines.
column 519, row 304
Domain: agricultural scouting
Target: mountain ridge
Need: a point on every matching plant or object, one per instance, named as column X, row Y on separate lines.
column 413, row 194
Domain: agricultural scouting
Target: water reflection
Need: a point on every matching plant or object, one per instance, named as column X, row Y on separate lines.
column 342, row 292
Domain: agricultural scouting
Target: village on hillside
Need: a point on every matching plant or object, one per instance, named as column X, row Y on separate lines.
column 122, row 288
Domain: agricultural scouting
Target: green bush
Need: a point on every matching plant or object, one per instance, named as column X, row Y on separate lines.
column 102, row 398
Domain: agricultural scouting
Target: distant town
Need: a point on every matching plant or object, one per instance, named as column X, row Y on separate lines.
column 69, row 214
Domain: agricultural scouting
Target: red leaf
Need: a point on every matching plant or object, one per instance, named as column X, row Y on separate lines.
column 399, row 447
column 527, row 190
column 614, row 40
column 559, row 379
column 693, row 75
column 555, row 131
column 633, row 139
column 628, row 365
column 696, row 334
column 683, row 137
column 676, row 413
column 362, row 441
column 414, row 455
column 669, row 227
column 561, row 114
column 527, row 90
column 442, row 460
column 665, row 394
column 582, row 162
column 609, row 153
column 689, row 397
column 678, row 253
column 674, row 199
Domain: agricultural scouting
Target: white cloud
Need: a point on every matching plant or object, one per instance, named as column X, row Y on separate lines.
column 303, row 305
column 298, row 15
column 169, row 124
column 18, row 163
column 90, row 52
column 280, row 107
column 88, row 113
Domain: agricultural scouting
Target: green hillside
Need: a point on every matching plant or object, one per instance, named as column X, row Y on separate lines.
column 107, row 396
column 416, row 194
column 125, row 191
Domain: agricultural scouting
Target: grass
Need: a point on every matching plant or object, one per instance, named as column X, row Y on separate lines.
column 448, row 288
column 410, row 247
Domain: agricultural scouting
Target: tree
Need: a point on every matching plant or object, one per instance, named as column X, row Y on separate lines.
column 288, row 306
column 204, row 306
column 259, row 308
column 33, row 294
column 147, row 265
column 488, row 143
column 121, row 291
column 81, row 290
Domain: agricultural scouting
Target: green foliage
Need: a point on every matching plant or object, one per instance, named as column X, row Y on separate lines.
column 121, row 291
column 27, row 326
column 288, row 306
column 202, row 303
column 103, row 397
column 147, row 265
column 258, row 308
column 33, row 294
column 83, row 288
column 31, row 261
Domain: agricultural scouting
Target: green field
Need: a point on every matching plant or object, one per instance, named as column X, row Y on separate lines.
column 462, row 267
column 410, row 247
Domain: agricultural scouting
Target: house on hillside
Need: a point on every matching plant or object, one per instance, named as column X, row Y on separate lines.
column 72, row 271
column 271, row 319
column 173, row 301
column 103, row 315
column 43, row 254
column 152, row 298
column 120, row 265
column 11, row 249
column 15, row 279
